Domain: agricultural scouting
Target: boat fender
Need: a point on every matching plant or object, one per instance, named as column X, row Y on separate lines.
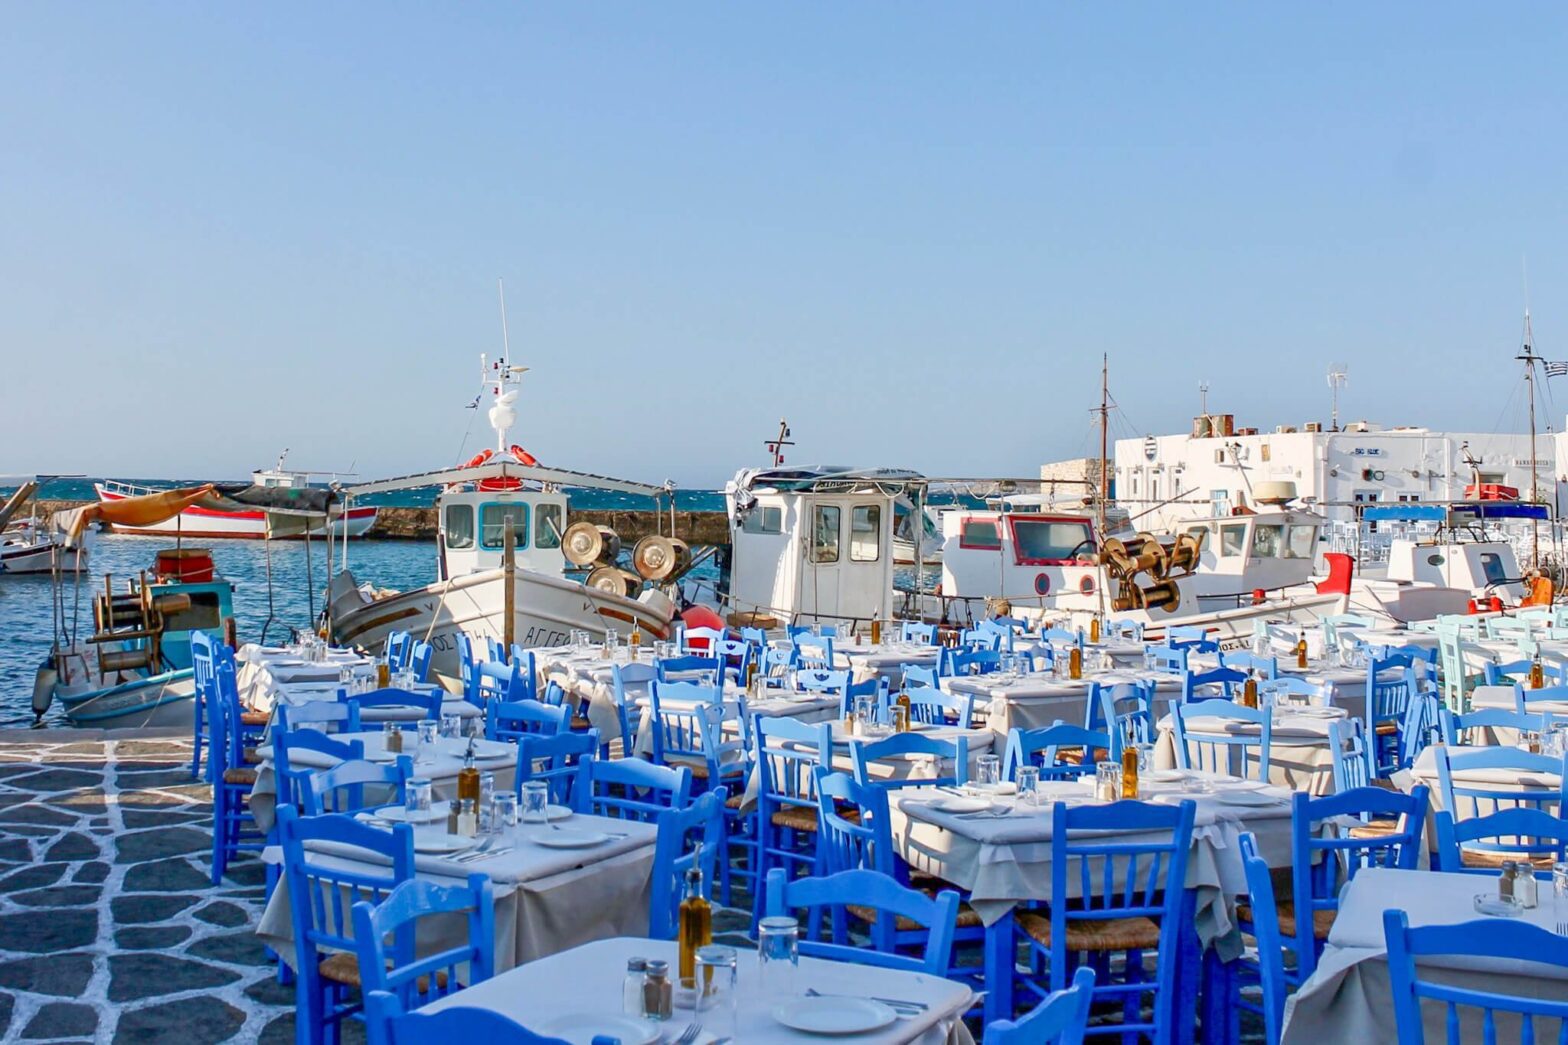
column 702, row 617
column 43, row 687
column 1259, row 596
column 1495, row 604
column 1471, row 608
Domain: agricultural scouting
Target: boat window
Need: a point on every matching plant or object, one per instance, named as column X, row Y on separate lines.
column 1266, row 541
column 764, row 520
column 459, row 526
column 1233, row 538
column 1301, row 542
column 824, row 533
column 204, row 613
column 495, row 518
column 1198, row 533
column 865, row 533
column 547, row 526
column 1041, row 541
column 980, row 533
column 1492, row 568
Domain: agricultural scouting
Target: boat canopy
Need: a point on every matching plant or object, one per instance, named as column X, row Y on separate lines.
column 500, row 467
column 284, row 514
column 1455, row 514
column 826, row 479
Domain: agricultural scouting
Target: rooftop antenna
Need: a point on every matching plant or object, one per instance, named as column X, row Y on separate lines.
column 776, row 446
column 1338, row 377
column 501, row 375
column 1203, row 399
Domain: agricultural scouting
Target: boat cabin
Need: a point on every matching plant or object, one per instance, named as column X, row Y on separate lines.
column 1243, row 553
column 474, row 518
column 1460, row 553
column 811, row 544
column 1031, row 559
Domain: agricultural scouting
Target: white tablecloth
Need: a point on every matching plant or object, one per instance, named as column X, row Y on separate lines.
column 1299, row 754
column 1037, row 700
column 441, row 769
column 1348, row 997
column 866, row 661
column 588, row 678
column 1005, row 861
column 803, row 706
column 270, row 675
column 904, row 767
column 587, row 980
column 547, row 900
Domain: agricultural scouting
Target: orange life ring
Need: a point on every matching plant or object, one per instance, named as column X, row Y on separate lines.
column 523, row 456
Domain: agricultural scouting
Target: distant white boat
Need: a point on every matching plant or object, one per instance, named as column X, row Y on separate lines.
column 26, row 547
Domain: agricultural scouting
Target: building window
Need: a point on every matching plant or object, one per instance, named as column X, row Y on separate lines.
column 865, row 533
column 1264, row 450
column 547, row 526
column 824, row 533
column 459, row 526
column 494, row 520
column 764, row 520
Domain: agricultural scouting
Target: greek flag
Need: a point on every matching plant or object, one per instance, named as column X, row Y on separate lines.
column 1554, row 369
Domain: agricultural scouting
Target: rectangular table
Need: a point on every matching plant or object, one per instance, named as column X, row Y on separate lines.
column 1349, row 997
column 1002, row 862
column 1039, row 699
column 586, row 981
column 547, row 900
column 1300, row 755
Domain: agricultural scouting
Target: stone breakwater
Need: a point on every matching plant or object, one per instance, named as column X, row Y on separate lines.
column 110, row 927
column 419, row 524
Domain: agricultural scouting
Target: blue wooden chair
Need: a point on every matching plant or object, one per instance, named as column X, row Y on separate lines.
column 914, row 631
column 1284, row 689
column 1466, row 1006
column 627, row 683
column 349, row 787
column 1322, row 863
column 1058, row 1020
column 1150, row 913
column 1167, row 660
column 869, row 891
column 630, row 789
column 428, row 703
column 1125, row 629
column 983, row 638
column 876, row 688
column 1468, row 730
column 693, row 836
column 954, row 752
column 1347, row 745
column 285, row 745
column 233, row 828
column 756, row 636
column 814, row 652
column 388, row 1024
column 467, row 663
column 1391, row 685
column 691, row 668
column 1265, row 967
column 498, row 680
column 1250, row 663
column 786, row 814
column 1070, row 636
column 555, row 759
column 332, row 716
column 417, row 981
column 1125, row 709
column 1217, row 682
column 676, row 721
column 920, row 675
column 399, row 648
column 1524, row 697
column 822, row 680
column 527, row 666
column 956, row 662
column 202, row 683
column 1466, row 798
column 419, row 660
column 797, row 631
column 1335, row 626
column 515, row 719
column 1526, row 835
column 1507, row 673
column 735, row 656
column 700, row 640
column 1060, row 751
column 321, row 890
column 1243, row 754
column 727, row 765
column 932, row 707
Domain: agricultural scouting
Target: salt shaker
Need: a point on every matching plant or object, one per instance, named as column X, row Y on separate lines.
column 1525, row 885
column 658, row 995
column 632, row 987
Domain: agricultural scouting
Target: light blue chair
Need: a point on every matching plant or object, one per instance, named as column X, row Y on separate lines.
column 691, row 667
column 428, row 703
column 1265, row 967
column 1523, row 834
column 913, row 631
column 1167, row 660
column 1466, row 730
column 1058, row 1020
column 399, row 648
column 688, row 837
column 1124, row 710
column 931, row 707
column 956, row 662
column 1465, row 797
column 869, row 891
column 390, row 1025
column 1482, row 938
column 1217, row 682
column 1250, row 663
column 625, row 681
column 1043, row 749
column 630, row 789
column 1245, row 754
column 418, row 981
column 954, row 752
column 676, row 720
column 814, row 652
column 1125, row 629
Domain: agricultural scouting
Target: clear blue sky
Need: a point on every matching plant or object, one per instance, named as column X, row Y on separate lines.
column 910, row 228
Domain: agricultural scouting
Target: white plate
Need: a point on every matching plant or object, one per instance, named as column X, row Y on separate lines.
column 570, row 838
column 1164, row 776
column 399, row 815
column 1244, row 798
column 555, row 812
column 954, row 804
column 834, row 1015
column 580, row 1028
column 440, row 842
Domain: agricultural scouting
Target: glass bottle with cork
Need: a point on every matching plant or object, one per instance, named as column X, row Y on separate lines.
column 1075, row 663
column 876, row 631
column 904, row 706
column 1129, row 763
column 1094, row 629
column 696, row 922
column 1537, row 673
column 1301, row 650
column 468, row 777
column 1249, row 690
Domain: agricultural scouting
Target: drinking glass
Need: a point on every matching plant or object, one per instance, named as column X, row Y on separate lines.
column 487, row 824
column 452, row 727
column 417, row 798
column 716, row 967
column 1107, row 781
column 1560, row 891
column 988, row 771
column 778, row 955
column 346, row 678
column 611, row 638
column 536, row 802
column 503, row 811
column 428, row 731
column 1145, row 759
column 865, row 714
column 1028, row 778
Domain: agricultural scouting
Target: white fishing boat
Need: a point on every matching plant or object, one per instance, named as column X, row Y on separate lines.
column 207, row 523
column 503, row 501
column 31, row 545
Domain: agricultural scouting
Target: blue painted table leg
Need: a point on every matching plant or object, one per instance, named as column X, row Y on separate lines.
column 999, row 969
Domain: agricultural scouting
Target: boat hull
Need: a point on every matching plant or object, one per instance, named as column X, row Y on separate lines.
column 39, row 558
column 545, row 612
column 164, row 700
column 206, row 524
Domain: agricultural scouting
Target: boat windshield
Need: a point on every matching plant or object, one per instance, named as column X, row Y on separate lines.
column 1050, row 540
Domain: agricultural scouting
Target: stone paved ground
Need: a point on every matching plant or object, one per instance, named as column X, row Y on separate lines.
column 110, row 928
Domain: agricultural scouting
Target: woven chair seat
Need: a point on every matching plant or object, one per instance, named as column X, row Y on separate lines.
column 1117, row 934
column 802, row 818
column 1322, row 921
column 251, row 757
column 1483, row 858
column 734, row 801
column 255, row 718
column 343, row 968
column 1375, row 829
column 968, row 918
column 239, row 775
column 1386, row 729
column 580, row 723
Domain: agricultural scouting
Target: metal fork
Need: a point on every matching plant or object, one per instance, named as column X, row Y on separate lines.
column 1562, row 928
column 689, row 1035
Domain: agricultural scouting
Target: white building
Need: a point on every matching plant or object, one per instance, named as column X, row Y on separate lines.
column 1217, row 468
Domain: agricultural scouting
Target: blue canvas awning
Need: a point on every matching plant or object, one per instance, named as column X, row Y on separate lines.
column 1454, row 514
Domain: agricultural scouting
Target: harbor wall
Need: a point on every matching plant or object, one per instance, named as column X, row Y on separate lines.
column 419, row 524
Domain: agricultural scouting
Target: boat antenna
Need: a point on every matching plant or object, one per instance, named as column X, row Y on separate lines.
column 1528, row 357
column 506, row 341
column 1338, row 377
column 1203, row 399
column 1105, row 425
column 776, row 446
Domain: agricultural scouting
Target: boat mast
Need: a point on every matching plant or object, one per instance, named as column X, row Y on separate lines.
column 1528, row 357
column 776, row 446
column 1105, row 414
